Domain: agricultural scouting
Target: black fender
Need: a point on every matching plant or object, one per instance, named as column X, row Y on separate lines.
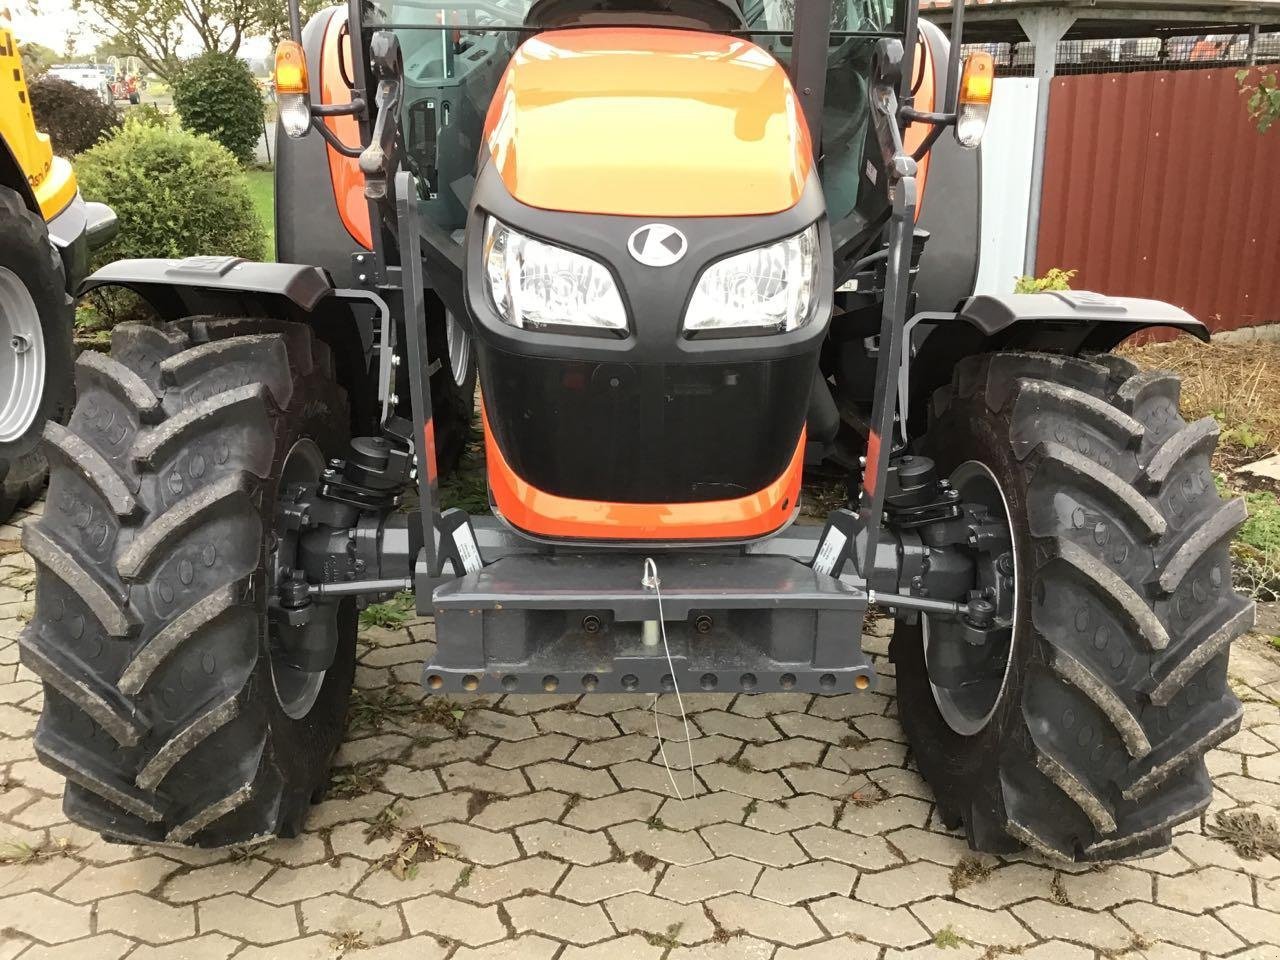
column 1071, row 322
column 950, row 205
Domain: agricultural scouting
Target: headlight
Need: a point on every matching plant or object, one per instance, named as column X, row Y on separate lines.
column 536, row 284
column 770, row 288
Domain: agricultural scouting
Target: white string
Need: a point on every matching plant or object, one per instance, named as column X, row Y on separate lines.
column 650, row 581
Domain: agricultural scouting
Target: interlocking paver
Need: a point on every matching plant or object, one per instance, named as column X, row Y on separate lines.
column 988, row 927
column 454, row 919
column 840, row 948
column 764, row 918
column 1051, row 920
column 505, row 814
column 807, row 881
column 1252, row 924
column 468, row 775
column 614, row 751
column 1196, row 932
column 793, row 814
column 619, row 808
column 571, row 922
column 885, row 815
column 104, row 946
column 290, row 884
column 750, row 783
column 735, row 948
column 703, row 811
column 866, row 853
column 620, row 948
column 732, row 840
column 893, row 928
column 251, row 920
column 667, row 845
column 495, row 884
column 605, row 880
column 43, row 918
column 209, row 946
column 336, row 914
column 704, row 881
column 905, row 884
column 94, row 883
column 1205, row 889
column 567, row 843
column 685, row 923
column 202, row 882
column 144, row 918
column 512, row 754
column 478, row 846
column 527, row 947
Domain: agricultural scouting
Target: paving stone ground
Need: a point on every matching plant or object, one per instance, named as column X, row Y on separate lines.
column 806, row 835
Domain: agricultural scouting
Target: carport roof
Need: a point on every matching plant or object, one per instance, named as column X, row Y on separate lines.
column 992, row 21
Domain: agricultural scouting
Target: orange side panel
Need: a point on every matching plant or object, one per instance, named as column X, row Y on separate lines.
column 548, row 515
column 925, row 101
column 348, row 181
column 648, row 122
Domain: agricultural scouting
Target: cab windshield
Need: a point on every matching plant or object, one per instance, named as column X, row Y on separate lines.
column 455, row 54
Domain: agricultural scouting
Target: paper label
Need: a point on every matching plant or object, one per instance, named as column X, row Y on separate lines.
column 468, row 551
column 829, row 551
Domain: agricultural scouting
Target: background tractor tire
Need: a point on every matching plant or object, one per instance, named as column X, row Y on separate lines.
column 150, row 630
column 32, row 291
column 1117, row 684
column 453, row 391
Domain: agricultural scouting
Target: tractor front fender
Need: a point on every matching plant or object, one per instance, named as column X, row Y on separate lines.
column 1070, row 322
column 347, row 320
column 219, row 285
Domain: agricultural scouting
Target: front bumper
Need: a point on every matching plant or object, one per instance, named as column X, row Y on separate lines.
column 737, row 621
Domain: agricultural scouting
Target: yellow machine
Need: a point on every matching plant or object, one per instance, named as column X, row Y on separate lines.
column 48, row 230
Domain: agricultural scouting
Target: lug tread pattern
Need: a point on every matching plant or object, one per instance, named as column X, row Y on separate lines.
column 150, row 563
column 1132, row 607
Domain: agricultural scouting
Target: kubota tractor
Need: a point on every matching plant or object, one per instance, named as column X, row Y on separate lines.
column 46, row 232
column 688, row 246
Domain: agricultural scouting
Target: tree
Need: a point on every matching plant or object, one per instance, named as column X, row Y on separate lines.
column 1262, row 92
column 36, row 58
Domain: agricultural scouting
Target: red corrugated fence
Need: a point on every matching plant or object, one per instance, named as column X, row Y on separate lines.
column 1157, row 184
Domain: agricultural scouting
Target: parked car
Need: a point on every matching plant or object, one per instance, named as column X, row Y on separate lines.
column 89, row 76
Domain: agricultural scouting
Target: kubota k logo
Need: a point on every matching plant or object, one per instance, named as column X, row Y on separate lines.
column 658, row 245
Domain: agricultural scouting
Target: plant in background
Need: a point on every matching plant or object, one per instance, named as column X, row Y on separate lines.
column 176, row 194
column 149, row 115
column 74, row 118
column 1055, row 279
column 1262, row 92
column 215, row 94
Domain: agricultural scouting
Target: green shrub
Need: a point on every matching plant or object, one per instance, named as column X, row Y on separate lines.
column 149, row 115
column 74, row 118
column 1055, row 279
column 215, row 94
column 176, row 194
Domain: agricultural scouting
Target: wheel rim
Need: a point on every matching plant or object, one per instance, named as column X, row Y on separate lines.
column 459, row 342
column 968, row 709
column 296, row 690
column 22, row 358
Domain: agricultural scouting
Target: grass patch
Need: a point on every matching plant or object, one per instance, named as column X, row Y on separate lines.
column 262, row 189
column 20, row 853
column 1251, row 835
column 375, row 709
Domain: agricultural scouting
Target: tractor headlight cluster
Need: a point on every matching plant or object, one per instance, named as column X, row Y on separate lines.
column 536, row 284
column 768, row 289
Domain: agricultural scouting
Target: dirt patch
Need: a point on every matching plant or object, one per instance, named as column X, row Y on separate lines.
column 1238, row 384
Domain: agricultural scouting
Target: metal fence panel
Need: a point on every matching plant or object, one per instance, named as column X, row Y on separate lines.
column 1157, row 184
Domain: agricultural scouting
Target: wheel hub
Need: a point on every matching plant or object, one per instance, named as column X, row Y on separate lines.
column 970, row 658
column 293, row 618
column 22, row 358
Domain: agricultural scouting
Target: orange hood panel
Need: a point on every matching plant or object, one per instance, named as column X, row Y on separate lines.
column 648, row 122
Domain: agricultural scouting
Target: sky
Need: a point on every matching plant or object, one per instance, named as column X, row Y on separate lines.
column 57, row 21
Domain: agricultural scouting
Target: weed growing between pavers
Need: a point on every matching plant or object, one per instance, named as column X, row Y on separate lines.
column 347, row 941
column 948, row 939
column 1058, row 891
column 394, row 613
column 667, row 940
column 385, row 824
column 967, row 872
column 347, row 783
column 1252, row 836
column 20, row 853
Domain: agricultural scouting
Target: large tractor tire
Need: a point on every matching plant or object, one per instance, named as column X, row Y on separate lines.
column 453, row 387
column 1085, row 741
column 36, row 317
column 168, row 706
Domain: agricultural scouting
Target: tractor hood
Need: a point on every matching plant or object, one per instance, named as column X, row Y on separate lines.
column 648, row 122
